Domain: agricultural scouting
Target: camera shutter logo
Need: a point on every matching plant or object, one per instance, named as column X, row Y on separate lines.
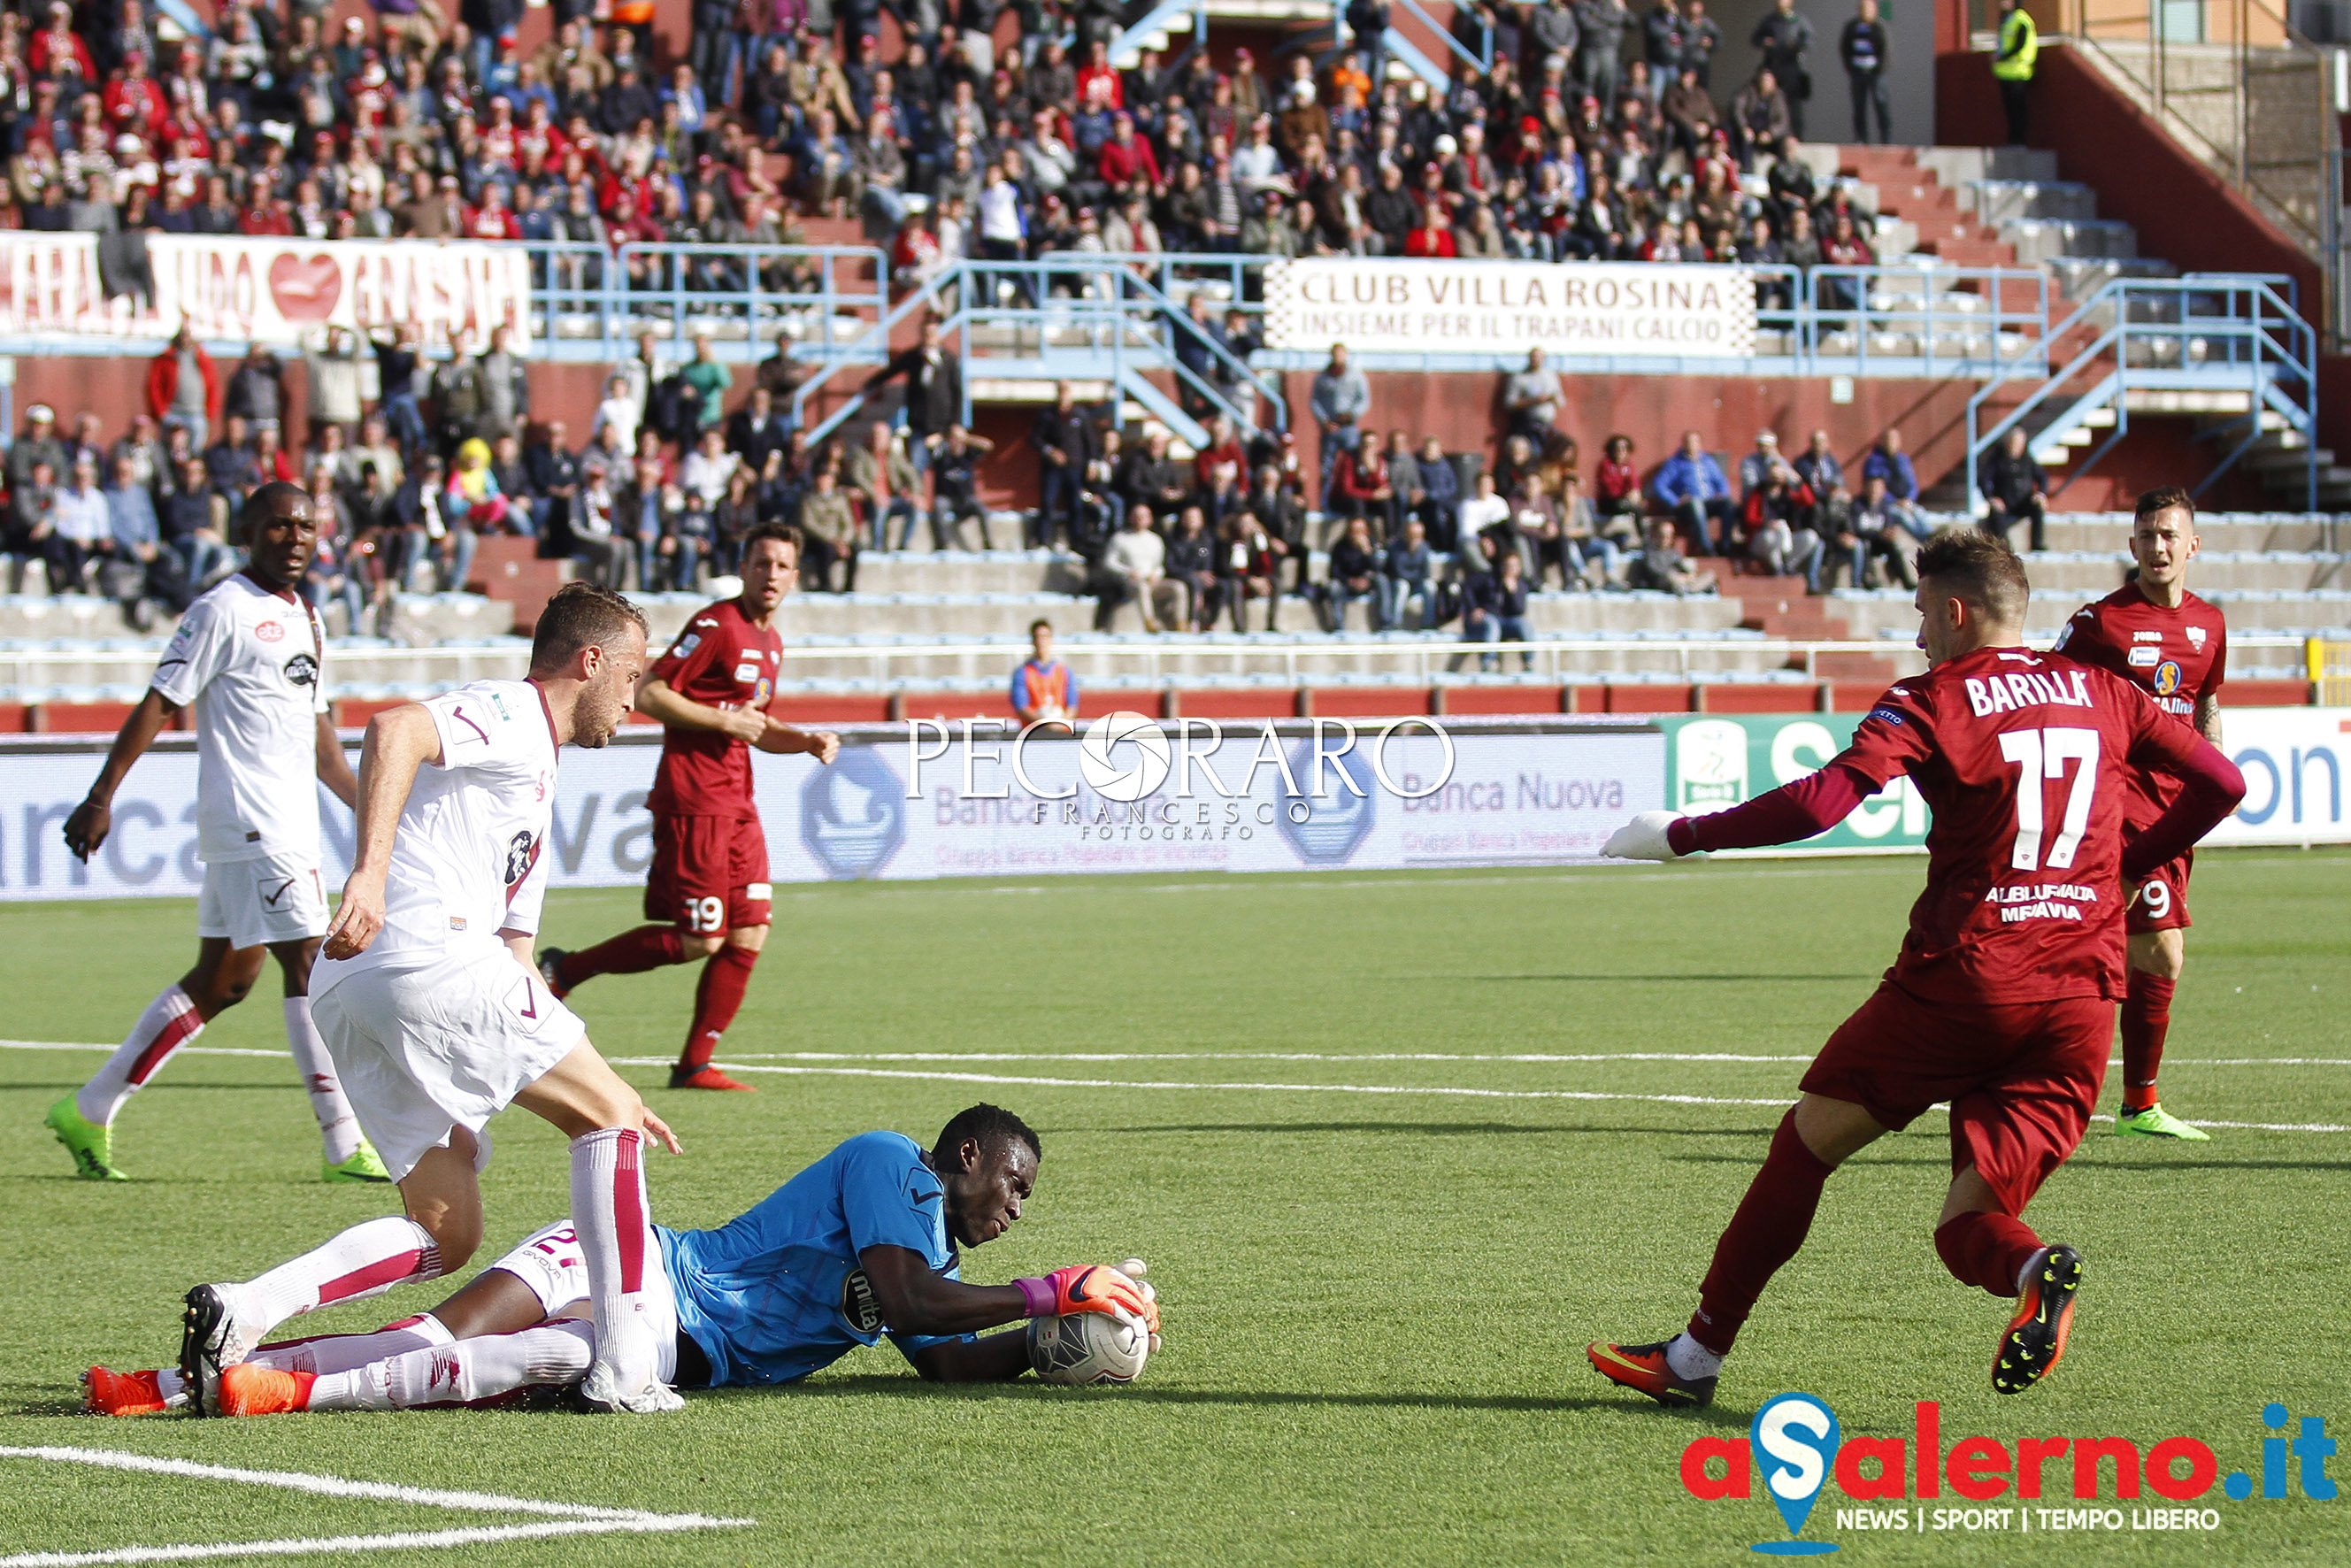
column 1129, row 777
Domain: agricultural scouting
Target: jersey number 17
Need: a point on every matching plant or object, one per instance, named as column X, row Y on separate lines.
column 2041, row 754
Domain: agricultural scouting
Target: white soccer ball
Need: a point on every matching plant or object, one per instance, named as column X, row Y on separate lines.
column 1087, row 1347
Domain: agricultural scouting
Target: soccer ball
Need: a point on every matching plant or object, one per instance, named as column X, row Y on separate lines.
column 1087, row 1347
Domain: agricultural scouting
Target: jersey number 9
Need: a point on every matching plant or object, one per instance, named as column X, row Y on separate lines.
column 705, row 917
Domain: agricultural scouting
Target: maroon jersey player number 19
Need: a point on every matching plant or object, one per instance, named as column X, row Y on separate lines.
column 707, row 892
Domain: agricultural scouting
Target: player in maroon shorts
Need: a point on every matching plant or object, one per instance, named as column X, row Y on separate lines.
column 2001, row 1002
column 2155, row 634
column 709, row 888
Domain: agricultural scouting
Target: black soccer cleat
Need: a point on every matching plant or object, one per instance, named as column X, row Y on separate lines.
column 1644, row 1368
column 2034, row 1340
column 200, row 1323
column 550, row 969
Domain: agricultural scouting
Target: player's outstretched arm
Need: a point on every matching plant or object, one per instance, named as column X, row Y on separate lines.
column 400, row 741
column 1794, row 812
column 334, row 767
column 659, row 702
column 914, row 1300
column 91, row 820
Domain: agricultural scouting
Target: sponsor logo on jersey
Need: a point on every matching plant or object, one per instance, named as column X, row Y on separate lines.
column 762, row 692
column 860, row 1309
column 2196, row 635
column 2156, row 636
column 499, row 703
column 2143, row 658
column 302, row 670
column 1888, row 714
column 685, row 644
column 269, row 630
column 275, row 897
column 2166, row 677
column 748, row 672
column 520, row 854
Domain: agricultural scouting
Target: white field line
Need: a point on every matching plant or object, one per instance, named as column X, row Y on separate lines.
column 407, row 1540
column 749, row 1066
column 1340, row 1089
column 94, row 1045
column 560, row 1518
column 2170, row 1060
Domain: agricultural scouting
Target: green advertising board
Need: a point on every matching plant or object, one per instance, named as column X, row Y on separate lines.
column 1713, row 761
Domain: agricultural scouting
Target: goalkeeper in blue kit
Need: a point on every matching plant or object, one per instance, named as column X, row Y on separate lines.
column 860, row 1245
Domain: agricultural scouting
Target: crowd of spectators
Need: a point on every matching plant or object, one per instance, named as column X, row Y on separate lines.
column 1598, row 133
column 656, row 495
column 1428, row 538
column 674, row 468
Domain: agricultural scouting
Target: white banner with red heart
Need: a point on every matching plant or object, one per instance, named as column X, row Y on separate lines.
column 241, row 290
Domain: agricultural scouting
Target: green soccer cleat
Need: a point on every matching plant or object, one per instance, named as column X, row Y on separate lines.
column 2155, row 1122
column 92, row 1147
column 365, row 1164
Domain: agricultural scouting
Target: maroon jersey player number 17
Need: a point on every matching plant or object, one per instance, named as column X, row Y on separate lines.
column 707, row 892
column 2000, row 1004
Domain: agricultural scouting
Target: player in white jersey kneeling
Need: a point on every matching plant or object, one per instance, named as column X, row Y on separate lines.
column 250, row 657
column 436, row 1017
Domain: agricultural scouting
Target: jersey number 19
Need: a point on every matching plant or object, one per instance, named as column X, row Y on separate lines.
column 2041, row 754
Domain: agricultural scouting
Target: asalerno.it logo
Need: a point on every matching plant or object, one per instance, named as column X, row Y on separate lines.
column 1797, row 1449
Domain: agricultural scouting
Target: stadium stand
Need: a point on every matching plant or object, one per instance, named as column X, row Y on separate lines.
column 739, row 230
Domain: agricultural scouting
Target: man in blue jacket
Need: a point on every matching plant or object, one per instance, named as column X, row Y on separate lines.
column 1692, row 488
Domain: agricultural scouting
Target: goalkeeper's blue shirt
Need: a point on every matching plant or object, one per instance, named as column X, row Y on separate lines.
column 776, row 1292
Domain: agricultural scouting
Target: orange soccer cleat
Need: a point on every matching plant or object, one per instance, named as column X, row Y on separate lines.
column 108, row 1393
column 705, row 1077
column 1644, row 1368
column 249, row 1390
column 2034, row 1340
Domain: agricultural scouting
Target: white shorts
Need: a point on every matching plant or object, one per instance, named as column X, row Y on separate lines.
column 273, row 899
column 424, row 1050
column 551, row 1262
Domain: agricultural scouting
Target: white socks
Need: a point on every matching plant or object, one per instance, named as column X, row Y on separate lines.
column 365, row 1260
column 608, row 1216
column 1691, row 1360
column 343, row 1352
column 462, row 1371
column 169, row 1023
column 335, row 1354
column 337, row 1126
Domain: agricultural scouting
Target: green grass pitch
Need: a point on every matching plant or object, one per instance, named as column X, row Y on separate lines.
column 1376, row 1303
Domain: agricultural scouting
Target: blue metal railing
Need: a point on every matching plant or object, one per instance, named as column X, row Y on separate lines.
column 1929, row 321
column 2207, row 333
column 599, row 303
column 1070, row 314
